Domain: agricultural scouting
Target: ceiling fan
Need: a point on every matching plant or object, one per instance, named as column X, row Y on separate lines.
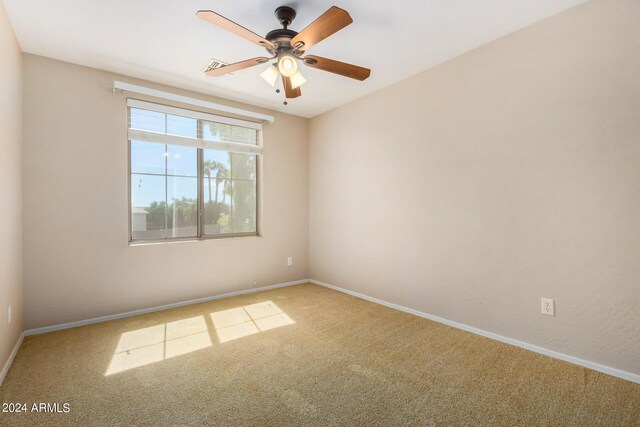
column 287, row 47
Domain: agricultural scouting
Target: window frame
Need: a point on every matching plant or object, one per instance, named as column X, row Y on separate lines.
column 200, row 117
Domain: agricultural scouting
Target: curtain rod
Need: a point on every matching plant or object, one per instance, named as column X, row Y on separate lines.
column 128, row 87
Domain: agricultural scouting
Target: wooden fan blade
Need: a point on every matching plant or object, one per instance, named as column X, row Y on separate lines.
column 289, row 92
column 236, row 66
column 222, row 22
column 337, row 67
column 330, row 22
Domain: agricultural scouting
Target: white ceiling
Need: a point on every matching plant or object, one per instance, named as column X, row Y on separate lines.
column 163, row 40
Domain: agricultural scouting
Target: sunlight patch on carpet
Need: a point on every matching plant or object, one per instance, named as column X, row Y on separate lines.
column 156, row 343
column 248, row 320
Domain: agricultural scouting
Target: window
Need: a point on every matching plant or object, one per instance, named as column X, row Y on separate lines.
column 192, row 175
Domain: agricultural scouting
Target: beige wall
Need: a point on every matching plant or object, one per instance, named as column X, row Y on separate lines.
column 507, row 174
column 78, row 264
column 10, row 187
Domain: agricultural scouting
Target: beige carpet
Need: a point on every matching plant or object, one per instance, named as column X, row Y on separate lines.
column 302, row 355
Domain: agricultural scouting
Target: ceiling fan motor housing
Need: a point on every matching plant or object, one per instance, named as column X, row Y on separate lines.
column 281, row 37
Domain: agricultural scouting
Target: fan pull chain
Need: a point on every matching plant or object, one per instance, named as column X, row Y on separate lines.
column 278, row 91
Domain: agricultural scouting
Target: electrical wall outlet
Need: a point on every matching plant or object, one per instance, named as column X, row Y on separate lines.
column 9, row 315
column 547, row 306
column 290, row 261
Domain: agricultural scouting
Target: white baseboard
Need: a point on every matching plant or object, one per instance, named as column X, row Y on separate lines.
column 12, row 356
column 567, row 358
column 46, row 329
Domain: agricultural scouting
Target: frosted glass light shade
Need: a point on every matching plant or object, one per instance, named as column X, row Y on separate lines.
column 297, row 80
column 270, row 75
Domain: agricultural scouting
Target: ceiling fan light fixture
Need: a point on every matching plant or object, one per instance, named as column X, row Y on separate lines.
column 270, row 75
column 297, row 80
column 287, row 65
